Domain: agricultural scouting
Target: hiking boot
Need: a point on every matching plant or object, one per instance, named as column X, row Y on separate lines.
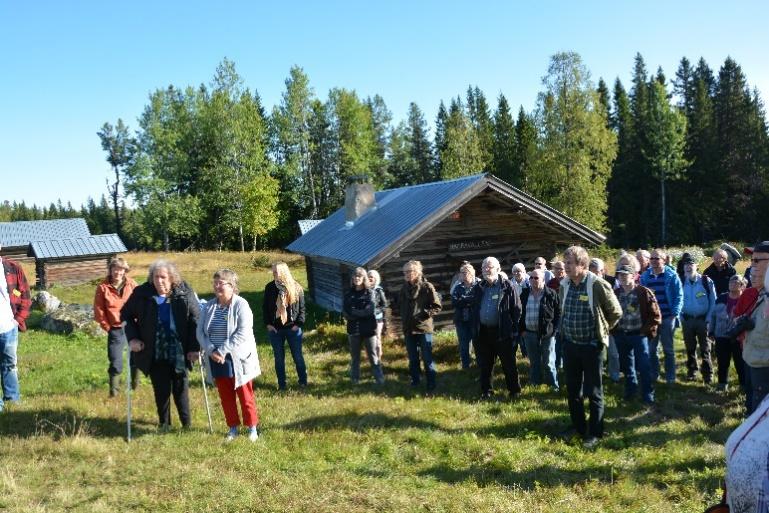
column 722, row 387
column 114, row 385
column 590, row 442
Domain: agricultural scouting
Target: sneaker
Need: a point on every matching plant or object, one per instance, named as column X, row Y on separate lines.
column 253, row 433
column 232, row 434
column 590, row 442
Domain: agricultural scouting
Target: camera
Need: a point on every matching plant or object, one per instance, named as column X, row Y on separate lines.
column 739, row 325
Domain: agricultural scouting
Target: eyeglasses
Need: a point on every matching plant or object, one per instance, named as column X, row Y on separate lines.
column 655, row 258
column 534, row 277
column 757, row 260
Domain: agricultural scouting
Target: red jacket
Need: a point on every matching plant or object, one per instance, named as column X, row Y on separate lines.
column 18, row 292
column 108, row 301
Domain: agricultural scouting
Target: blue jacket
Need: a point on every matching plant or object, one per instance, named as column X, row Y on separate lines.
column 673, row 289
column 700, row 297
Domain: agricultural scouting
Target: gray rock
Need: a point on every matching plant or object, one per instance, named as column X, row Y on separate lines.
column 46, row 302
column 70, row 318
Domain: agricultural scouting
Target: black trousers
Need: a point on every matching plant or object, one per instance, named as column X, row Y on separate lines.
column 486, row 351
column 165, row 381
column 583, row 364
column 726, row 350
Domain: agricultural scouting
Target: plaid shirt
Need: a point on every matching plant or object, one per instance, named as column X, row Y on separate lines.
column 577, row 323
column 18, row 292
column 532, row 311
column 631, row 311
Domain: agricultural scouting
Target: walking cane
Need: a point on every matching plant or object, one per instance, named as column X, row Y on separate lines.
column 128, row 391
column 205, row 393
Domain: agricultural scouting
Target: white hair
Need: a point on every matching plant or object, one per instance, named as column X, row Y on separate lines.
column 597, row 263
column 491, row 260
column 520, row 267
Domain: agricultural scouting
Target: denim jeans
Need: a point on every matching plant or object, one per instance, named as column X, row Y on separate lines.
column 558, row 350
column 116, row 342
column 583, row 364
column 416, row 344
column 728, row 349
column 613, row 364
column 464, row 337
column 9, row 343
column 541, row 353
column 369, row 343
column 635, row 359
column 294, row 338
column 665, row 337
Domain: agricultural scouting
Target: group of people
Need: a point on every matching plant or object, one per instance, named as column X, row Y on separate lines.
column 168, row 328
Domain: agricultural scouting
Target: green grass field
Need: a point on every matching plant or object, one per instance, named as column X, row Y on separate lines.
column 338, row 447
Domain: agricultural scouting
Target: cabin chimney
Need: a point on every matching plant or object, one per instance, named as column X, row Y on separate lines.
column 359, row 199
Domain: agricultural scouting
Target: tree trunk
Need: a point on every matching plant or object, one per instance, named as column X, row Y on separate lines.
column 166, row 243
column 114, row 193
column 242, row 242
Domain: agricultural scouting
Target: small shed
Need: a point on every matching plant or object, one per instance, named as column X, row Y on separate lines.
column 63, row 250
column 440, row 224
column 15, row 236
column 73, row 260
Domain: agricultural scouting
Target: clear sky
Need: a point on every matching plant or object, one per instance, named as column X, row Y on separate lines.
column 69, row 66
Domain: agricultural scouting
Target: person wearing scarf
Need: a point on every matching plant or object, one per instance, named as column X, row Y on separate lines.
column 283, row 313
column 161, row 318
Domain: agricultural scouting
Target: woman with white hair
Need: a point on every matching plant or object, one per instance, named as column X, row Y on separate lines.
column 520, row 279
column 226, row 336
column 161, row 318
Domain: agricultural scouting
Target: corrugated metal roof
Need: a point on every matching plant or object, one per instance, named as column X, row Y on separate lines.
column 402, row 213
column 21, row 233
column 82, row 246
column 397, row 212
column 305, row 225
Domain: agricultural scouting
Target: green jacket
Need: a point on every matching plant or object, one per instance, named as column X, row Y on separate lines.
column 606, row 308
column 418, row 303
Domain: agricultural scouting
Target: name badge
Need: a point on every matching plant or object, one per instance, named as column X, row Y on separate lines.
column 17, row 292
column 631, row 308
column 699, row 294
column 583, row 297
column 495, row 296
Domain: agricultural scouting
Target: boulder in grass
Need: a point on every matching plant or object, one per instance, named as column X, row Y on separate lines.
column 70, row 318
column 45, row 302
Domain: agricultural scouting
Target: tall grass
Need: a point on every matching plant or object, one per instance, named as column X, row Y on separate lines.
column 338, row 447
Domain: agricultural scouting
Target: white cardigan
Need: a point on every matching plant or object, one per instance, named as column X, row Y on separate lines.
column 240, row 342
column 747, row 455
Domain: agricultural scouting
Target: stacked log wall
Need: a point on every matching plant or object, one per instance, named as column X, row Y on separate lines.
column 67, row 272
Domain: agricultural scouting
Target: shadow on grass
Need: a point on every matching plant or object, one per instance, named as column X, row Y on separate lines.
column 67, row 423
column 361, row 422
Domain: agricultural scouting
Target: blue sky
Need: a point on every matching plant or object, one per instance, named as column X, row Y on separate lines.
column 67, row 67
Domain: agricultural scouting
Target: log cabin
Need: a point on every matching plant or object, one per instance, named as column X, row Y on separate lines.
column 440, row 224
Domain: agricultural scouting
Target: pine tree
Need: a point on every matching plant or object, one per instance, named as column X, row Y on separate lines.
column 623, row 198
column 421, row 150
column 526, row 148
column 504, row 142
column 577, row 149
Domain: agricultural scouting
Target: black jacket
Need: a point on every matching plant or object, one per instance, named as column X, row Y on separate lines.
column 720, row 277
column 140, row 314
column 270, row 307
column 509, row 308
column 358, row 309
column 549, row 312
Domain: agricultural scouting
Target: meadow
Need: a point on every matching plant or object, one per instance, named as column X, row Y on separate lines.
column 339, row 447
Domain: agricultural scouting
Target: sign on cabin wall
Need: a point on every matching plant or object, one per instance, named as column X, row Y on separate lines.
column 464, row 245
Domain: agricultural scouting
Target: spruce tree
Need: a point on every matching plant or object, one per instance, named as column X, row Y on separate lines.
column 504, row 142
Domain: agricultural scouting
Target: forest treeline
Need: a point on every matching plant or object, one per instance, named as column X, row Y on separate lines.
column 661, row 161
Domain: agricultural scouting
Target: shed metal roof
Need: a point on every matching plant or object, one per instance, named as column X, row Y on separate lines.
column 92, row 245
column 402, row 214
column 21, row 233
column 305, row 225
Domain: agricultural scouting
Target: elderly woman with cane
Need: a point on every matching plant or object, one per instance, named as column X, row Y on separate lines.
column 226, row 336
column 161, row 319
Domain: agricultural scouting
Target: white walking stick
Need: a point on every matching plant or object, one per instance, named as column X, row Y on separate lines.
column 205, row 394
column 128, row 391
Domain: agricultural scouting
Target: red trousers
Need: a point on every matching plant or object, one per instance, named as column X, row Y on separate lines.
column 245, row 393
